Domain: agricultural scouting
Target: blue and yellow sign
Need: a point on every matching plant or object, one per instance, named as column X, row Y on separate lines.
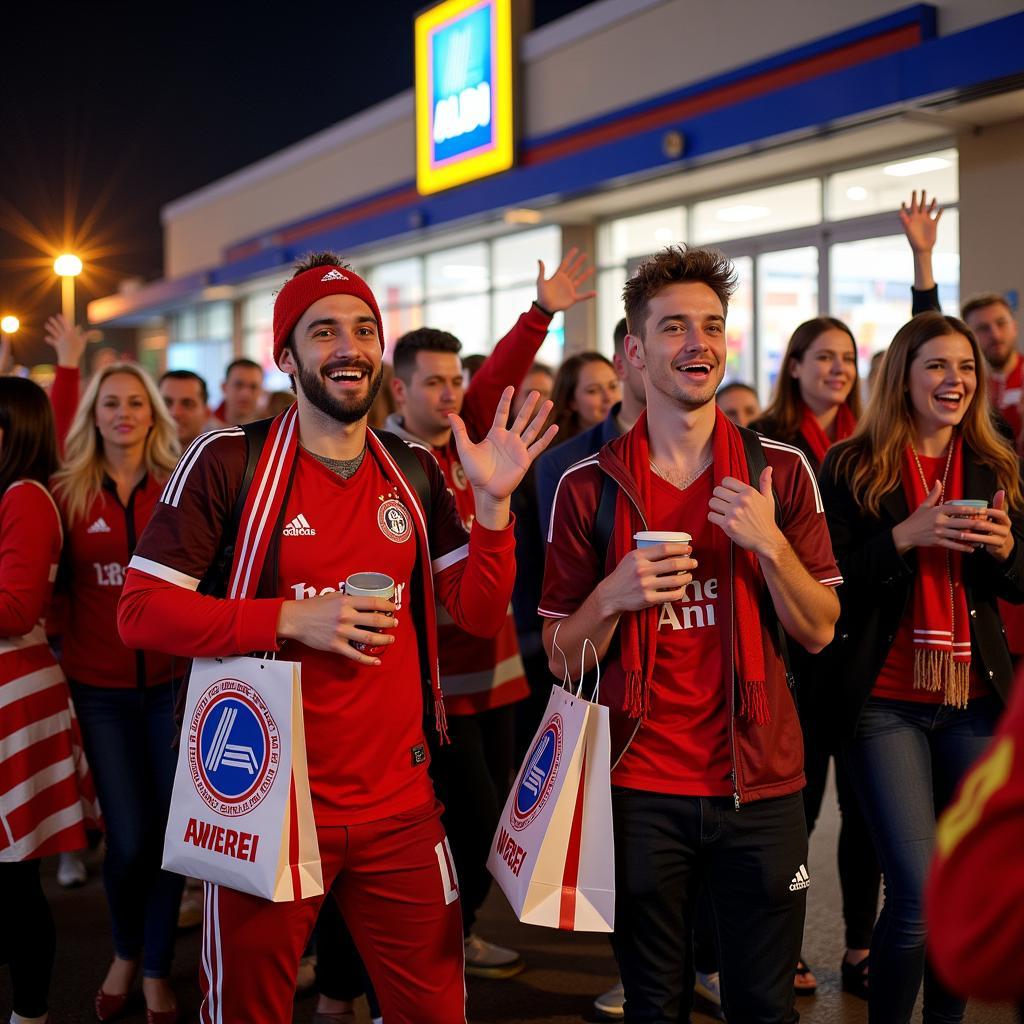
column 464, row 100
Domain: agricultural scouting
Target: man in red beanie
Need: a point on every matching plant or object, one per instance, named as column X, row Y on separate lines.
column 328, row 499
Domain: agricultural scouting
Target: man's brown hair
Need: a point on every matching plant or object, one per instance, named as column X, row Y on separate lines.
column 676, row 264
column 976, row 302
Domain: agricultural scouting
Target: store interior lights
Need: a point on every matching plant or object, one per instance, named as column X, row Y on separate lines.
column 908, row 168
column 742, row 212
column 856, row 193
column 464, row 272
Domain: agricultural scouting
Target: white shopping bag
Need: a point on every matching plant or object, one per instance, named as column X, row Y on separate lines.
column 241, row 813
column 553, row 854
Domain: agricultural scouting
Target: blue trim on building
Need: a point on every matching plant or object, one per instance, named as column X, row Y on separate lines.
column 940, row 66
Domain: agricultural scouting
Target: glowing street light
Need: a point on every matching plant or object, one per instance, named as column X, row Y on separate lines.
column 67, row 266
column 9, row 325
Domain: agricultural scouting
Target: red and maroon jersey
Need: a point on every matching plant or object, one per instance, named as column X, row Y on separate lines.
column 480, row 673
column 680, row 748
column 97, row 550
column 363, row 724
column 976, row 888
column 1006, row 393
column 684, row 747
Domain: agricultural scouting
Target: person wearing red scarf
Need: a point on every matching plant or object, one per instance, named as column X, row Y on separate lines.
column 920, row 667
column 328, row 500
column 816, row 403
column 707, row 775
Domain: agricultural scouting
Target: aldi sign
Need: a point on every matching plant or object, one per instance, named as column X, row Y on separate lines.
column 464, row 100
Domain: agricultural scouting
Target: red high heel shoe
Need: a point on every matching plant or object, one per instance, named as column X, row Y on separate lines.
column 161, row 1016
column 107, row 1006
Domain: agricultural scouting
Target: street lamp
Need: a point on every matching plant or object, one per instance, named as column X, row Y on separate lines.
column 67, row 266
column 9, row 325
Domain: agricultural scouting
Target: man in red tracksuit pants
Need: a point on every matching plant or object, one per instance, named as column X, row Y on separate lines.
column 328, row 500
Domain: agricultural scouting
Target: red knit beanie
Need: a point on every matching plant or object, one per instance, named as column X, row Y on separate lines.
column 303, row 290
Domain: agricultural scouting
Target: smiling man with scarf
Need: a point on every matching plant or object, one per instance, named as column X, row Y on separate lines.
column 707, row 775
column 329, row 498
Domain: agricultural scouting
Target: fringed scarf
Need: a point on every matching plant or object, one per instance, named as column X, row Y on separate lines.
column 262, row 511
column 942, row 633
column 638, row 631
column 816, row 438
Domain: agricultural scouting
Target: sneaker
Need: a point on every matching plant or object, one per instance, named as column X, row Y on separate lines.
column 486, row 960
column 71, row 871
column 190, row 911
column 306, row 978
column 612, row 1004
column 708, row 991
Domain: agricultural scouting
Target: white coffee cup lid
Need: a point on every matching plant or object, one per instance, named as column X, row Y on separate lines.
column 662, row 537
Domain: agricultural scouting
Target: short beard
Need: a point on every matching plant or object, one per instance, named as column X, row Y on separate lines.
column 339, row 409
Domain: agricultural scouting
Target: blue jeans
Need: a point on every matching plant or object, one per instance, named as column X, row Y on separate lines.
column 905, row 762
column 128, row 736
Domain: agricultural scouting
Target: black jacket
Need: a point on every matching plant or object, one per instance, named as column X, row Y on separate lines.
column 878, row 583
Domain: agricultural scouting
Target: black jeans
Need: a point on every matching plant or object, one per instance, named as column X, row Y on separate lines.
column 859, row 873
column 752, row 864
column 472, row 777
column 340, row 973
column 27, row 940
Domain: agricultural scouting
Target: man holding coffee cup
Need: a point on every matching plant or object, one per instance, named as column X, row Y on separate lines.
column 707, row 778
column 328, row 500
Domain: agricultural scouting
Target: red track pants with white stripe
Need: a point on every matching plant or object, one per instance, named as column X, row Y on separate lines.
column 395, row 883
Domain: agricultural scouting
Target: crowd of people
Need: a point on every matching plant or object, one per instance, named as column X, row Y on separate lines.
column 835, row 578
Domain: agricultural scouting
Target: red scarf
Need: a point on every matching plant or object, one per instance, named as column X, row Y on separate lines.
column 263, row 510
column 942, row 633
column 816, row 438
column 638, row 631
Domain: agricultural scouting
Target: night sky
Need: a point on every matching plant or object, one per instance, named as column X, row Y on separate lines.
column 109, row 111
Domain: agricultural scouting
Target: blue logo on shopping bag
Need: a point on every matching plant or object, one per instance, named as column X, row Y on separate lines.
column 537, row 778
column 233, row 747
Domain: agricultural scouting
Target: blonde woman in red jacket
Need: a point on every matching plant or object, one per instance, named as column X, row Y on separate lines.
column 119, row 451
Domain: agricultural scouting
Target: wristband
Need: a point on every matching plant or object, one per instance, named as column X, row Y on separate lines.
column 546, row 312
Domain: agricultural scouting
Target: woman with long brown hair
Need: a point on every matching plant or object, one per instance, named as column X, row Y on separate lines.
column 119, row 452
column 921, row 661
column 586, row 387
column 815, row 404
column 48, row 799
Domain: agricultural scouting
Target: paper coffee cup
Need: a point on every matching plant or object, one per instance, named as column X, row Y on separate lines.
column 648, row 538
column 370, row 584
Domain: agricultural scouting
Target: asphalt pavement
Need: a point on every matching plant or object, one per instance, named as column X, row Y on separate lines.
column 564, row 971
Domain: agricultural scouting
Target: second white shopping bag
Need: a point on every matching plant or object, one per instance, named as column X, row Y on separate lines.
column 553, row 854
column 241, row 813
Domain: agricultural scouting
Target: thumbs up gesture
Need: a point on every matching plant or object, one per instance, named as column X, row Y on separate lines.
column 746, row 513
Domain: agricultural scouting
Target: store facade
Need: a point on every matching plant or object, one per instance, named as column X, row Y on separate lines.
column 785, row 134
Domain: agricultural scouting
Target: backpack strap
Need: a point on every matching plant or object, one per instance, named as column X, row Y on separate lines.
column 604, row 521
column 756, row 465
column 215, row 582
column 410, row 466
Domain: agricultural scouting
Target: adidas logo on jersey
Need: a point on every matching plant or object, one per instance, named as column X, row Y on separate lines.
column 100, row 526
column 299, row 527
column 334, row 275
column 801, row 880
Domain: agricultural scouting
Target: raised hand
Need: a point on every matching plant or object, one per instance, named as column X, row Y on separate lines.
column 67, row 338
column 496, row 465
column 920, row 222
column 562, row 289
